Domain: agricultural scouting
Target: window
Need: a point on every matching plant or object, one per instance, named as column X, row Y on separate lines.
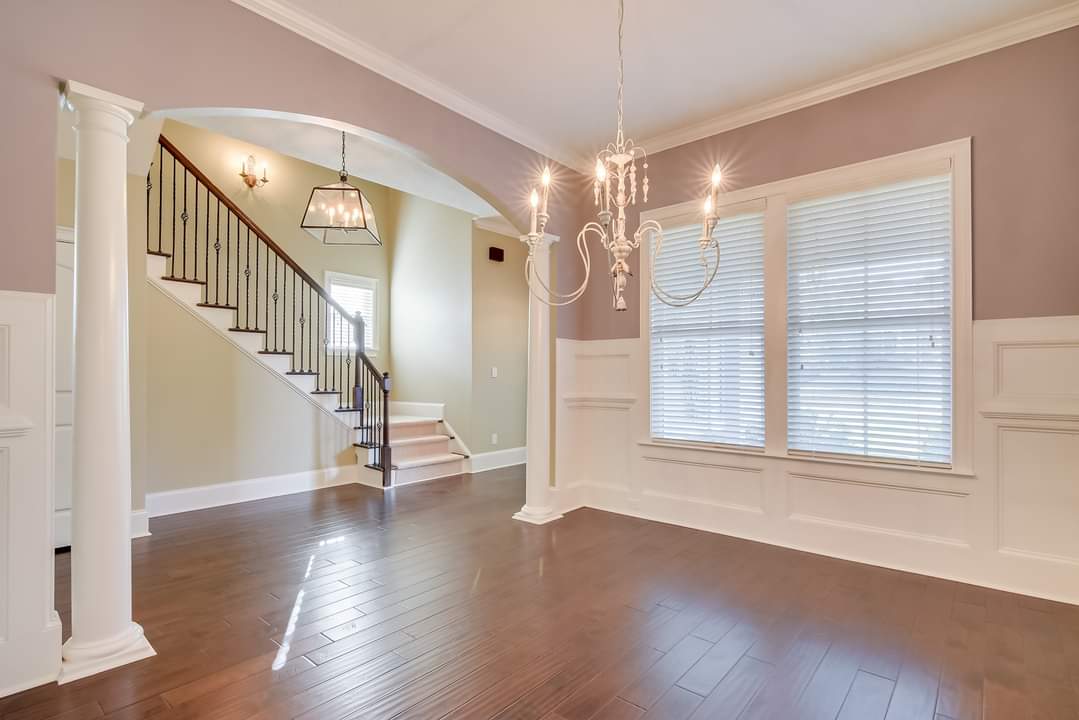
column 707, row 359
column 355, row 293
column 850, row 290
column 869, row 315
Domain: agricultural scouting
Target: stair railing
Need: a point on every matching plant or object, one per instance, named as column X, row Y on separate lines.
column 210, row 241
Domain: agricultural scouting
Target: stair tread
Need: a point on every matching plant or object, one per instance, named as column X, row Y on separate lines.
column 246, row 330
column 421, row 440
column 158, row 253
column 300, row 372
column 427, row 460
column 183, row 280
column 325, row 392
column 217, row 306
column 274, row 352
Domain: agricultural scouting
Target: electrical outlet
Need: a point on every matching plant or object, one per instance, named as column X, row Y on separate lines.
column 494, row 372
column 494, row 438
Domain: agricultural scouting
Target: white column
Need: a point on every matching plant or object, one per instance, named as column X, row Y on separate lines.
column 538, row 508
column 103, row 634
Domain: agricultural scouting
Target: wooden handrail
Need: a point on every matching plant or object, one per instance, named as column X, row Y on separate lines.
column 243, row 217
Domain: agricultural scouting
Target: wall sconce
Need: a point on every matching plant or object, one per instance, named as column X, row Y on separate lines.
column 247, row 172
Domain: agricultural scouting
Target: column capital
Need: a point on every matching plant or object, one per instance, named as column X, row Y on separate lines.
column 80, row 96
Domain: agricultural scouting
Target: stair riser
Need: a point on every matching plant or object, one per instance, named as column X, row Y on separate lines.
column 427, row 472
column 407, row 432
column 189, row 293
column 278, row 363
column 413, row 452
column 249, row 341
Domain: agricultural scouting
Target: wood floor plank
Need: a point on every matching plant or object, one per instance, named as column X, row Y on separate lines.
column 868, row 698
column 433, row 603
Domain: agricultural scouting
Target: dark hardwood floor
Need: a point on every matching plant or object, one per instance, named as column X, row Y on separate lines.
column 431, row 602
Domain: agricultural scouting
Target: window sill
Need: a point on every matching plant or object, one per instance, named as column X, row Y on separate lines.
column 760, row 452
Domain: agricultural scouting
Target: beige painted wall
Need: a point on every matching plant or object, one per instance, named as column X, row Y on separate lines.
column 499, row 339
column 431, row 301
column 217, row 415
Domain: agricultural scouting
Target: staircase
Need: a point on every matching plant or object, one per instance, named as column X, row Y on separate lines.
column 207, row 254
column 423, row 449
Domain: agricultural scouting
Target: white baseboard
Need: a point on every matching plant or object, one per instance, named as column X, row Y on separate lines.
column 140, row 526
column 207, row 496
column 497, row 459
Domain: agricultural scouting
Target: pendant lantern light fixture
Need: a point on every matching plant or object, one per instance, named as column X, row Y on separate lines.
column 340, row 214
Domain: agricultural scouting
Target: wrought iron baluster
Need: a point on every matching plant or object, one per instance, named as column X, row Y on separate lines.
column 275, row 296
column 257, row 244
column 195, row 254
column 149, row 187
column 206, row 242
column 217, row 255
column 183, row 217
column 247, row 279
column 160, row 190
column 172, row 269
column 297, row 350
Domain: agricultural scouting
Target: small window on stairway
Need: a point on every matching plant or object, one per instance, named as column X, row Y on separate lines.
column 355, row 293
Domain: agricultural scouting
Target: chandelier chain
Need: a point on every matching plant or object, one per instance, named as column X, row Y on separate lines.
column 344, row 171
column 621, row 71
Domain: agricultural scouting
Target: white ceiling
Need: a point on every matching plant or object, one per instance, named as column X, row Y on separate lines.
column 544, row 72
column 368, row 158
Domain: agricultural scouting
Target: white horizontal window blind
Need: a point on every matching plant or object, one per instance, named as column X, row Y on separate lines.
column 353, row 295
column 707, row 359
column 869, row 323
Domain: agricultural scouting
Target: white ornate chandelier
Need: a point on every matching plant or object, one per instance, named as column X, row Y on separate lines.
column 615, row 184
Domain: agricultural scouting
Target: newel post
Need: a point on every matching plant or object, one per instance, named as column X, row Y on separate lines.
column 387, row 459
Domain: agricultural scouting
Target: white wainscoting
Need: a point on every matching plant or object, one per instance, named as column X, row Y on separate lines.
column 29, row 626
column 1013, row 524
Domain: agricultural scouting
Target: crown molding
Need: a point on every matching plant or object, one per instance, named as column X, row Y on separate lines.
column 969, row 46
column 497, row 224
column 1001, row 36
column 390, row 68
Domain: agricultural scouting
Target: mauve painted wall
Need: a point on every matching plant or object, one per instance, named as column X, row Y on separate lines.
column 210, row 53
column 1019, row 104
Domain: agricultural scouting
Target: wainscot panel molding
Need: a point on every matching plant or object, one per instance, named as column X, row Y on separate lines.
column 29, row 626
column 1009, row 524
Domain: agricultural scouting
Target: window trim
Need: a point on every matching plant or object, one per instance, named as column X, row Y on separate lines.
column 952, row 157
column 366, row 283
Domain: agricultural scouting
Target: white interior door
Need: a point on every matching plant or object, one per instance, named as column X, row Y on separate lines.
column 65, row 381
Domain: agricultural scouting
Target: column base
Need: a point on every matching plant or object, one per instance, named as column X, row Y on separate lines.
column 537, row 515
column 83, row 660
